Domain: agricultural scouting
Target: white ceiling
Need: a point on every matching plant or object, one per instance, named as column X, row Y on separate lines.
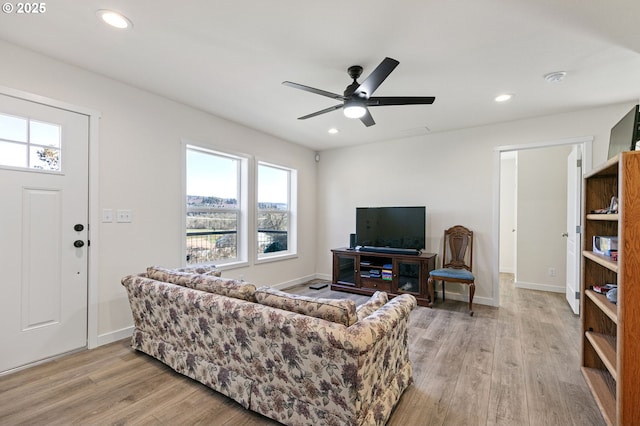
column 230, row 57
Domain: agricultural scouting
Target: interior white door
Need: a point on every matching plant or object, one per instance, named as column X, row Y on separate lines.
column 43, row 231
column 573, row 234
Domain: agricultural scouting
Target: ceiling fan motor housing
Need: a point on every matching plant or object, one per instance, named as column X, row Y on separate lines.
column 354, row 71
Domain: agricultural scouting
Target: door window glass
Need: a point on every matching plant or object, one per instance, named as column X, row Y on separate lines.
column 30, row 144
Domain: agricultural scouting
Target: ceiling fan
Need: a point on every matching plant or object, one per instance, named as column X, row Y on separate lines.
column 357, row 96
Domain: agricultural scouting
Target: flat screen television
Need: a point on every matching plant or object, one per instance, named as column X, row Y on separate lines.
column 393, row 227
column 625, row 133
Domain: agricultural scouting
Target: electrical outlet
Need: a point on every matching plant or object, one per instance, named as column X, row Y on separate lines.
column 124, row 216
column 552, row 272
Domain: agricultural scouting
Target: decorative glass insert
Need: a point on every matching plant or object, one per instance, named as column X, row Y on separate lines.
column 30, row 144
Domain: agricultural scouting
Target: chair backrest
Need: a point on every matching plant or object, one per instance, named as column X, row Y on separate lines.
column 458, row 248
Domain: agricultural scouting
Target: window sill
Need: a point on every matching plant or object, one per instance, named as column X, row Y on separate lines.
column 276, row 258
column 232, row 265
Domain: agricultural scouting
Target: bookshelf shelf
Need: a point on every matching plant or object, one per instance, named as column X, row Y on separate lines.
column 610, row 343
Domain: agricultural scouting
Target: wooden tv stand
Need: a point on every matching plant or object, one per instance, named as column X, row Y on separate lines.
column 367, row 272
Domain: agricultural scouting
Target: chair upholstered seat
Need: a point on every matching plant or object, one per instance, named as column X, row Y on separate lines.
column 452, row 273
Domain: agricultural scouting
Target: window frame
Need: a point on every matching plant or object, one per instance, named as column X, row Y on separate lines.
column 292, row 206
column 242, row 228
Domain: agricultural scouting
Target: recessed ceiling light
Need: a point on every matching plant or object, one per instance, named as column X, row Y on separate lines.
column 333, row 130
column 555, row 77
column 115, row 19
column 504, row 97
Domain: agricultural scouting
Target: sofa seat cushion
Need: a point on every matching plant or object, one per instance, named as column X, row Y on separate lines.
column 341, row 311
column 209, row 283
column 377, row 300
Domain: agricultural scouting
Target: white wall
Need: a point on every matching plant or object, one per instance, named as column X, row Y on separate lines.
column 140, row 169
column 450, row 173
column 542, row 218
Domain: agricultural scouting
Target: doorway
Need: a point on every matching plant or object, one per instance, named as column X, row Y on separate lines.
column 533, row 207
column 44, row 180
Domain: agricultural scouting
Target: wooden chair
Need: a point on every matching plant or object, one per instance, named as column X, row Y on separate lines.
column 457, row 258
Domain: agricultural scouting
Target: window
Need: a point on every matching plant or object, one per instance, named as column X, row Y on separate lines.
column 275, row 211
column 29, row 144
column 216, row 219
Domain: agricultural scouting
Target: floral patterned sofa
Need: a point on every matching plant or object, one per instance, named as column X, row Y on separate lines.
column 295, row 359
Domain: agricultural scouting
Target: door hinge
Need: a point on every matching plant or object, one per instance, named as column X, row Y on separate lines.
column 578, row 229
column 577, row 295
column 579, row 162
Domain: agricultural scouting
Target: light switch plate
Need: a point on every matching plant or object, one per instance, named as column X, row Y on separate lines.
column 107, row 215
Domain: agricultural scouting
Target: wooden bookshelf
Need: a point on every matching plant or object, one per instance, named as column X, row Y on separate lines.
column 611, row 332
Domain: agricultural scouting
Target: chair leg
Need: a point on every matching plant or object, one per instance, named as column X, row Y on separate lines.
column 443, row 290
column 472, row 291
column 431, row 291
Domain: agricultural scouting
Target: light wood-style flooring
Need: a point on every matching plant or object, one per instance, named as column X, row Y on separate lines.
column 516, row 365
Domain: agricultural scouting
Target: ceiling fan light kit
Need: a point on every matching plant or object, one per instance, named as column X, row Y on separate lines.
column 357, row 96
column 354, row 109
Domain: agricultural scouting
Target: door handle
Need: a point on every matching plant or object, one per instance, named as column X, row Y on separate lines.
column 565, row 234
column 78, row 243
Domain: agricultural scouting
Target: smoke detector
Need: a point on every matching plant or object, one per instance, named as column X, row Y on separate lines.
column 555, row 77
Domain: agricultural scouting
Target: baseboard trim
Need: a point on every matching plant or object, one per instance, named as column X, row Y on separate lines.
column 463, row 297
column 540, row 287
column 292, row 283
column 114, row 336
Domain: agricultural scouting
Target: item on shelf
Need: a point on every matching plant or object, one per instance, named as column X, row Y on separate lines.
column 612, row 295
column 604, row 244
column 612, row 209
column 406, row 286
column 387, row 274
column 603, row 289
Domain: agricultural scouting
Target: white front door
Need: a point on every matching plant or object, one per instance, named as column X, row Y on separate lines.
column 43, row 231
column 574, row 190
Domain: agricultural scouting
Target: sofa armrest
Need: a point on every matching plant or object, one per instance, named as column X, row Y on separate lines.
column 362, row 335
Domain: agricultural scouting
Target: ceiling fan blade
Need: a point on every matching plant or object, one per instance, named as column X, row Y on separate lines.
column 314, row 90
column 324, row 111
column 367, row 119
column 375, row 79
column 400, row 100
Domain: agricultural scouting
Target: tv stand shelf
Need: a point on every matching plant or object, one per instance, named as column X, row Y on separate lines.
column 365, row 272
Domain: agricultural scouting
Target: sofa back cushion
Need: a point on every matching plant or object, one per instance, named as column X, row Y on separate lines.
column 341, row 311
column 209, row 283
column 377, row 300
column 201, row 270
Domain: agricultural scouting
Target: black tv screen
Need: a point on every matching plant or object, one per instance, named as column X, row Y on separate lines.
column 394, row 227
column 624, row 134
